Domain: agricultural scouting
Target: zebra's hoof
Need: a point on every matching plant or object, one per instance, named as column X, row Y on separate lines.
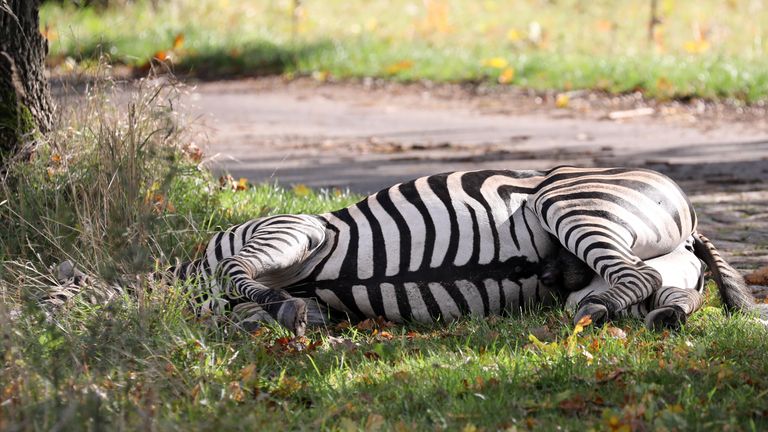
column 596, row 311
column 669, row 317
column 293, row 315
column 250, row 326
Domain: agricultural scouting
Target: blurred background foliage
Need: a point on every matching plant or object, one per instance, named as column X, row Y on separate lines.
column 665, row 48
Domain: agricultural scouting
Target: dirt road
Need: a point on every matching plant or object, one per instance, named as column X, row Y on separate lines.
column 367, row 136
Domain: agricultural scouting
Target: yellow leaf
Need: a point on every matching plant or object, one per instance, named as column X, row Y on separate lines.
column 546, row 348
column 562, row 100
column 507, row 75
column 399, row 66
column 49, row 33
column 242, row 184
column 56, row 159
column 235, row 391
column 248, row 374
column 162, row 55
column 663, row 85
column 496, row 62
column 301, row 190
column 583, row 322
column 178, row 41
column 696, row 46
column 321, row 76
column 514, row 35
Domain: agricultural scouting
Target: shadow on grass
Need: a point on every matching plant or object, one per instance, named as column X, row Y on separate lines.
column 253, row 59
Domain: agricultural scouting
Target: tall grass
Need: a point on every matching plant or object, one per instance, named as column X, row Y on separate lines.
column 118, row 188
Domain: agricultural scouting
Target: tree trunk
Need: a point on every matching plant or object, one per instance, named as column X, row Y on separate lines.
column 25, row 99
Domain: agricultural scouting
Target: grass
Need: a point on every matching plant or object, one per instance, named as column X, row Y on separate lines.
column 118, row 189
column 710, row 49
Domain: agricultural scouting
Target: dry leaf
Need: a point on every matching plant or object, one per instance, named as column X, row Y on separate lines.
column 758, row 277
column 343, row 343
column 496, row 62
column 507, row 75
column 162, row 55
column 616, row 332
column 696, row 46
column 321, row 76
column 562, row 100
column 248, row 374
column 514, row 35
column 399, row 67
column 374, row 422
column 178, row 41
column 301, row 190
column 242, row 184
column 602, row 376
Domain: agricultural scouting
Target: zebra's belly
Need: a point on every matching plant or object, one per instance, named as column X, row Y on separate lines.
column 438, row 298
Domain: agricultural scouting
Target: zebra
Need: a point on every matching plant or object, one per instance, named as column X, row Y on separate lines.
column 472, row 242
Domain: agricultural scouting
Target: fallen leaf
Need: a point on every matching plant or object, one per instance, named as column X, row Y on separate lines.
column 178, row 41
column 162, row 55
column 496, row 62
column 372, row 355
column 301, row 190
column 616, row 332
column 562, row 100
column 235, row 392
column 603, row 377
column 507, row 75
column 321, row 76
column 248, row 374
column 374, row 422
column 758, row 277
column 343, row 343
column 514, row 35
column 542, row 333
column 399, row 67
column 576, row 403
column 287, row 386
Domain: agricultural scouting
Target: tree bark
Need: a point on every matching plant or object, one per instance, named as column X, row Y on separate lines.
column 25, row 99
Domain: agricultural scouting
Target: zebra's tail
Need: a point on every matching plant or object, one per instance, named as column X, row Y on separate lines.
column 734, row 291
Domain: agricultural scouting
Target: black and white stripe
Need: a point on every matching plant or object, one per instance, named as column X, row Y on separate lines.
column 448, row 245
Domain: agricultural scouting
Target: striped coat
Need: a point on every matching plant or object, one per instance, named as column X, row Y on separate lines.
column 447, row 245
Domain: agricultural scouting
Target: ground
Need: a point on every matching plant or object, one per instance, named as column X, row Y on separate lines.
column 371, row 134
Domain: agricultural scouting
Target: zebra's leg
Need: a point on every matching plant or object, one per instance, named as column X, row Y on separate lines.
column 237, row 276
column 629, row 278
column 671, row 307
column 251, row 315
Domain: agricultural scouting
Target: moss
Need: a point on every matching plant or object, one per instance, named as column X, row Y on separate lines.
column 16, row 121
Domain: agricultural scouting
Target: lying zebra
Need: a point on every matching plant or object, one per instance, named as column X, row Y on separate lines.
column 477, row 242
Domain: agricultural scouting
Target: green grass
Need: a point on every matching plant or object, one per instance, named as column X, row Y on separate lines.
column 116, row 188
column 137, row 365
column 711, row 49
